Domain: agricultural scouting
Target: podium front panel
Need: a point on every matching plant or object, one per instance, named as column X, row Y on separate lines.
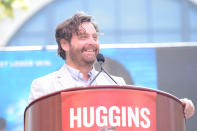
column 103, row 108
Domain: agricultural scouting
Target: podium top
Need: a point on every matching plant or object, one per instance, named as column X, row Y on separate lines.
column 113, row 87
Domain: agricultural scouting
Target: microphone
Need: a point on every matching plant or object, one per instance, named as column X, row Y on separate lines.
column 100, row 59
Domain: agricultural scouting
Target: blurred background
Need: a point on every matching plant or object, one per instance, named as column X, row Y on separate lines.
column 156, row 46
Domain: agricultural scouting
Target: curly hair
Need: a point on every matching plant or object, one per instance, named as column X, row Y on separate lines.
column 70, row 26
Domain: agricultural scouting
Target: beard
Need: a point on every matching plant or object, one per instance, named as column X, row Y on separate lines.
column 82, row 57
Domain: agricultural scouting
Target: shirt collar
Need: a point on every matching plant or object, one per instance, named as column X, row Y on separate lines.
column 76, row 74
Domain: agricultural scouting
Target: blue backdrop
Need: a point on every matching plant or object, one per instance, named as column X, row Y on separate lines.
column 19, row 68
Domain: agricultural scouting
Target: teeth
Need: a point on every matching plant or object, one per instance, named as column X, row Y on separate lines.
column 90, row 50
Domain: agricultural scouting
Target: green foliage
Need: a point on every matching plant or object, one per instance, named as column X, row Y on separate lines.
column 7, row 7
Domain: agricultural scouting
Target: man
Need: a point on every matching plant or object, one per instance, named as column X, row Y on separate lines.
column 77, row 40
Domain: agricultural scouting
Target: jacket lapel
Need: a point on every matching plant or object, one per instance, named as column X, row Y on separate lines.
column 64, row 79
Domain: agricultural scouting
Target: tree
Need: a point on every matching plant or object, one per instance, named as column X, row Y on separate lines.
column 7, row 7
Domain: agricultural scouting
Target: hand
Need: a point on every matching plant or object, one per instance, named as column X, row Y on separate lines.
column 189, row 107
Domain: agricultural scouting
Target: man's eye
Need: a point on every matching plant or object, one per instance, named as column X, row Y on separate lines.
column 95, row 37
column 83, row 36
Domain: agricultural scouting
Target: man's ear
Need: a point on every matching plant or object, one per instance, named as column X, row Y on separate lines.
column 64, row 44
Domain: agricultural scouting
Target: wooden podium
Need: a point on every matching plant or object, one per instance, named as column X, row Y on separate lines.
column 97, row 108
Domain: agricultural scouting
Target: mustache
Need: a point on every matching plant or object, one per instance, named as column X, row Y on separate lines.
column 93, row 47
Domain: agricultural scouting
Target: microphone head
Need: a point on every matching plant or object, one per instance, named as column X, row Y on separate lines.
column 100, row 58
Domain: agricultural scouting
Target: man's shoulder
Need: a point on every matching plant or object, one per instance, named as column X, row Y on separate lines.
column 42, row 86
column 52, row 75
column 47, row 77
column 51, row 78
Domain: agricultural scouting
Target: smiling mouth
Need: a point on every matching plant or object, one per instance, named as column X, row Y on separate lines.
column 90, row 50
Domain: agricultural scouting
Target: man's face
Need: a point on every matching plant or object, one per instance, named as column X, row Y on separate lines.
column 84, row 46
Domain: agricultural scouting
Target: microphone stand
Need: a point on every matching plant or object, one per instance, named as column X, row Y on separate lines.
column 102, row 70
column 108, row 75
column 95, row 77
